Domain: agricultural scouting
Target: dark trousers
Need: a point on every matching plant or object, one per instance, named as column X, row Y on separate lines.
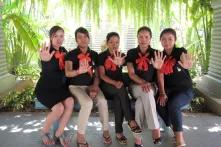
column 171, row 113
column 122, row 107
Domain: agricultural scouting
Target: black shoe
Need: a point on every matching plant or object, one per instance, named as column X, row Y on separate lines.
column 157, row 141
column 138, row 145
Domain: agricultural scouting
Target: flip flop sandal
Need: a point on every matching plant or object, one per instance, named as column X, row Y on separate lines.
column 122, row 139
column 135, row 129
column 82, row 144
column 157, row 141
column 63, row 140
column 107, row 139
column 48, row 137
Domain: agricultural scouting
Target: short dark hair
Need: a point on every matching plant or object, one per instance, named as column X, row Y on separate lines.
column 81, row 30
column 54, row 29
column 168, row 30
column 112, row 34
column 144, row 28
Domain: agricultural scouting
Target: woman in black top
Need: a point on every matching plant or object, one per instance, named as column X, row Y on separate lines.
column 175, row 84
column 51, row 89
column 110, row 70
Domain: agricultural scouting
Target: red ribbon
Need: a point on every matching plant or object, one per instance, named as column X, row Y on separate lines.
column 60, row 56
column 83, row 57
column 142, row 62
column 109, row 65
column 167, row 67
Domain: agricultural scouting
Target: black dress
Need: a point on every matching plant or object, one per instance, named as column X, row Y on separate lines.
column 52, row 86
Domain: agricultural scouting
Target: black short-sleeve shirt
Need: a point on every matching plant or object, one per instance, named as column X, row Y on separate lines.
column 176, row 78
column 113, row 71
column 75, row 56
column 142, row 63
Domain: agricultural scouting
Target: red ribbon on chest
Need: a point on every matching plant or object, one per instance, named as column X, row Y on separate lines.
column 60, row 57
column 109, row 65
column 167, row 67
column 142, row 62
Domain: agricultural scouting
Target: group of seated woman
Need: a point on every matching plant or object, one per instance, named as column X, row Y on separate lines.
column 159, row 81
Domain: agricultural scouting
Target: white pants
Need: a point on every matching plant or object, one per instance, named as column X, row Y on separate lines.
column 145, row 107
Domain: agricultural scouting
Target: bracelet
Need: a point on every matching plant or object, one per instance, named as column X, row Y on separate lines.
column 162, row 93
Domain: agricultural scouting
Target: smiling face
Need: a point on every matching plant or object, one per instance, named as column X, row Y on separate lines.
column 168, row 41
column 144, row 39
column 57, row 38
column 113, row 43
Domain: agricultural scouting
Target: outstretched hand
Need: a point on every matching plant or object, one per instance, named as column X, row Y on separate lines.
column 186, row 61
column 118, row 58
column 158, row 61
column 84, row 67
column 44, row 52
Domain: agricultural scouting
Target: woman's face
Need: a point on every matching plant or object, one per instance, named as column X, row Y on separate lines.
column 57, row 39
column 82, row 40
column 144, row 39
column 113, row 43
column 168, row 41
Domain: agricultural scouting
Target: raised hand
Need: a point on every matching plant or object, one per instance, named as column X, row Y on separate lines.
column 118, row 58
column 44, row 52
column 186, row 61
column 159, row 60
column 83, row 67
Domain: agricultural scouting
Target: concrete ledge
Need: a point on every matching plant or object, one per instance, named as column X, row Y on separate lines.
column 14, row 85
column 7, row 81
column 211, row 88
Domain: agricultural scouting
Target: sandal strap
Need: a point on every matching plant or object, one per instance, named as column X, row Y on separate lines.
column 46, row 136
column 79, row 144
column 121, row 139
column 135, row 129
column 107, row 139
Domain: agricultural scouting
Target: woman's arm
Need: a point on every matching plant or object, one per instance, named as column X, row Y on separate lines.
column 69, row 72
column 104, row 77
column 162, row 94
column 132, row 74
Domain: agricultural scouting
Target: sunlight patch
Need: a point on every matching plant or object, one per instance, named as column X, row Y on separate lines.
column 215, row 129
column 30, row 130
column 3, row 128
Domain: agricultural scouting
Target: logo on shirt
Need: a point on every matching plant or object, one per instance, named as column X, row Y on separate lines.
column 178, row 69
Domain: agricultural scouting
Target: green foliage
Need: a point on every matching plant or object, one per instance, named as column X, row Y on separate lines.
column 18, row 101
column 21, row 35
column 199, row 34
column 30, row 72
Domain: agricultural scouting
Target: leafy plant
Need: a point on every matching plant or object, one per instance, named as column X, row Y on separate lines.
column 18, row 101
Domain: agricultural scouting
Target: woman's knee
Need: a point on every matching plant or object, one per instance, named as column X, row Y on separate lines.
column 58, row 109
column 69, row 103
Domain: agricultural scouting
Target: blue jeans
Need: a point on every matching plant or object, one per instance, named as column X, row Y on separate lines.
column 171, row 113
